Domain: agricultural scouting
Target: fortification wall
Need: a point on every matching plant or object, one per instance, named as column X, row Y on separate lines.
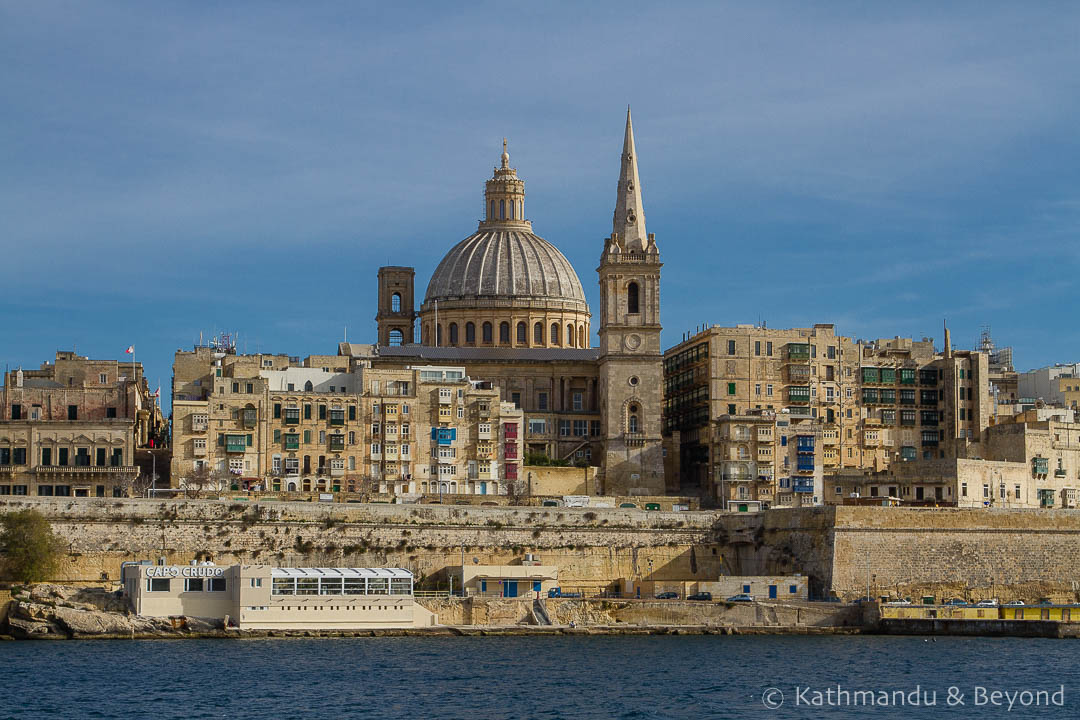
column 590, row 547
column 972, row 553
column 957, row 552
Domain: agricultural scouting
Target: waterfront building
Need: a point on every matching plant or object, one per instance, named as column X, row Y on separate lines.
column 260, row 597
column 71, row 427
column 765, row 459
column 530, row 579
column 274, row 422
column 1031, row 461
column 873, row 403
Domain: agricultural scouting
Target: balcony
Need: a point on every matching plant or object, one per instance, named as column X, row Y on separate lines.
column 68, row 470
column 888, row 376
column 337, row 442
column 798, row 351
column 198, row 449
column 337, row 418
column 740, row 435
column 798, row 373
column 799, row 394
column 887, row 397
column 292, row 441
column 927, row 377
column 928, row 442
column 199, row 425
column 235, row 443
column 805, row 467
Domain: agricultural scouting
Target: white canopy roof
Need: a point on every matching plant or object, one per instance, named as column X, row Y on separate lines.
column 341, row 572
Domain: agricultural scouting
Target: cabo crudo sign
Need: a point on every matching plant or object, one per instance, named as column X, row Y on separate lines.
column 188, row 571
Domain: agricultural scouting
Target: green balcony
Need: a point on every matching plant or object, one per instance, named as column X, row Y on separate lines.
column 292, row 441
column 235, row 443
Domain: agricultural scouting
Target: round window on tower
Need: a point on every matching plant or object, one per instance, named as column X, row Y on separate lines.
column 633, row 380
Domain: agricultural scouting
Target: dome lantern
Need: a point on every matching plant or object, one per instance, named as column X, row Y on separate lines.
column 504, row 197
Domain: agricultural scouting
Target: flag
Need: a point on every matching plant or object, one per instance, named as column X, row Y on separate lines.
column 157, row 393
column 130, row 350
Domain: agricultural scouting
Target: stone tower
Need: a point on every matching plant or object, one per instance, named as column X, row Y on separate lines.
column 631, row 370
column 396, row 315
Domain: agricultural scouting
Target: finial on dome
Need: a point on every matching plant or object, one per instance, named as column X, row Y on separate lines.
column 505, row 156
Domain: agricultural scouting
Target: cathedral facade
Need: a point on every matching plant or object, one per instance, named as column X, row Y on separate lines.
column 509, row 307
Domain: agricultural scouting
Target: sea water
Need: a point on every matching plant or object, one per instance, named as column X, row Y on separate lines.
column 543, row 677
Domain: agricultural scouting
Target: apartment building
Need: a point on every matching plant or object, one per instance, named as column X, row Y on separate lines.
column 765, row 459
column 71, row 427
column 1030, row 461
column 874, row 402
column 274, row 422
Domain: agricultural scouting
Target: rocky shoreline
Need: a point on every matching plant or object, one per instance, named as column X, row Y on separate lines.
column 56, row 612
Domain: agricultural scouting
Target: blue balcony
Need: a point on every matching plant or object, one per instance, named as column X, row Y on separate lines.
column 802, row 486
column 805, row 465
column 443, row 436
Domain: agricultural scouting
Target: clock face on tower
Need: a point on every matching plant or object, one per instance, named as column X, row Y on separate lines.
column 632, row 341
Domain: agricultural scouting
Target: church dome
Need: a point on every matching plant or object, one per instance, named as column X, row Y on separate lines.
column 504, row 286
column 504, row 263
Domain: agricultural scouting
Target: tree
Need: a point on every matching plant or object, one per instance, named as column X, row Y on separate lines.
column 29, row 550
column 202, row 479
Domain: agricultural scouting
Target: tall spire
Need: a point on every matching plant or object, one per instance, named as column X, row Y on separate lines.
column 505, row 156
column 629, row 220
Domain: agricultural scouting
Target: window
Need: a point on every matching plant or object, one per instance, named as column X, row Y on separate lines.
column 504, row 333
column 578, row 401
column 536, row 426
column 158, row 584
column 730, row 347
column 757, row 347
column 538, row 334
column 768, row 390
column 46, row 456
column 453, row 334
column 193, row 585
column 768, row 349
column 486, row 333
column 632, row 298
column 731, row 388
column 554, row 333
column 216, row 584
column 542, row 400
column 73, row 412
column 307, row 412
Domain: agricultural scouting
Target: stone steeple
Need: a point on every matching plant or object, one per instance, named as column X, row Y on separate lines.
column 628, row 222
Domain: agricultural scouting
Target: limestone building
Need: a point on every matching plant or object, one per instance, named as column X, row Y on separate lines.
column 277, row 423
column 875, row 403
column 508, row 306
column 71, row 427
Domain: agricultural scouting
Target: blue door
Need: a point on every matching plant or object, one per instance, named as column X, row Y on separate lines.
column 483, row 488
column 510, row 588
column 536, row 586
column 772, row 592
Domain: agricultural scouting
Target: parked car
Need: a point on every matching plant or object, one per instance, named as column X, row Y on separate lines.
column 706, row 596
column 862, row 601
column 1045, row 601
column 956, row 601
column 1013, row 603
column 987, row 603
column 558, row 593
column 905, row 601
column 667, row 596
column 741, row 597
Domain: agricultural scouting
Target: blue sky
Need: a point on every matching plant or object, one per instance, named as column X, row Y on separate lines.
column 171, row 168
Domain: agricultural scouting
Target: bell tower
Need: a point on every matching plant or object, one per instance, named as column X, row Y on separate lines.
column 631, row 359
column 396, row 317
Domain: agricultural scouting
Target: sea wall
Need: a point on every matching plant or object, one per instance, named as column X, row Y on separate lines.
column 946, row 552
column 956, row 552
column 589, row 547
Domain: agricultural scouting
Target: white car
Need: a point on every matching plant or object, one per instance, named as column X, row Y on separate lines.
column 987, row 603
column 1013, row 603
